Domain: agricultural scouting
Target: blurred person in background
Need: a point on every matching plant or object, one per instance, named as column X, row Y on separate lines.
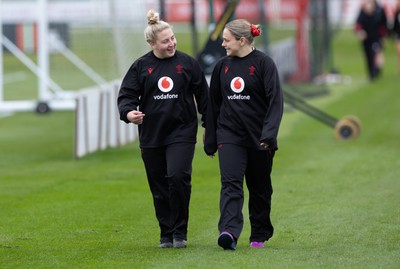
column 158, row 93
column 371, row 28
column 396, row 30
column 243, row 117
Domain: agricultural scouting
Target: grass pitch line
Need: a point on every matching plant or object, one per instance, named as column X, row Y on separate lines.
column 14, row 77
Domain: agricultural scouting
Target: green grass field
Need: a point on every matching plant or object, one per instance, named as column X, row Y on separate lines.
column 335, row 204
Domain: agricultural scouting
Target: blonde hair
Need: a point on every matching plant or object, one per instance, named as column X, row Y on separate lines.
column 242, row 28
column 154, row 26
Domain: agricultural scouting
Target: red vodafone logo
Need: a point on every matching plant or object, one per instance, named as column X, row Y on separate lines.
column 165, row 84
column 237, row 85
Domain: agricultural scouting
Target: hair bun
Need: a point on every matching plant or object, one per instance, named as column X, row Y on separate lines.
column 255, row 30
column 152, row 17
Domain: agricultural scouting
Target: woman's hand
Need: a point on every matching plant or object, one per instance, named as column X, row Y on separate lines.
column 264, row 145
column 135, row 116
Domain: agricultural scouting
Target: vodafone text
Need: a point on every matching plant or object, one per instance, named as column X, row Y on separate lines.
column 165, row 96
column 238, row 97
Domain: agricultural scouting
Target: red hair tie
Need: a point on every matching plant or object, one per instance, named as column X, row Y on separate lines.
column 254, row 30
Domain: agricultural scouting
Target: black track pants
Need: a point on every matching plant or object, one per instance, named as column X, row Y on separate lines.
column 169, row 172
column 370, row 50
column 237, row 163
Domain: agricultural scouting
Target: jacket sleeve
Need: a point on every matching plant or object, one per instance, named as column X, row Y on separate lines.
column 213, row 108
column 274, row 97
column 383, row 22
column 358, row 26
column 396, row 23
column 129, row 93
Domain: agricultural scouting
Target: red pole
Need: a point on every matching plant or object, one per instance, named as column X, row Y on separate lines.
column 302, row 48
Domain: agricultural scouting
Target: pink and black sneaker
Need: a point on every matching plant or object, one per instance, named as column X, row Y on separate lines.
column 255, row 244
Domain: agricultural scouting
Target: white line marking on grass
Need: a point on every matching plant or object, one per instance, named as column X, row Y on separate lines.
column 4, row 114
column 14, row 77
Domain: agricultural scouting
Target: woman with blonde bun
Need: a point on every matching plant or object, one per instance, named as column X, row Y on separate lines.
column 162, row 92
